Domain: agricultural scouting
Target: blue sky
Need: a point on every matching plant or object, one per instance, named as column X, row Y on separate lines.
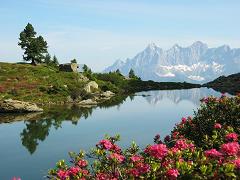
column 97, row 32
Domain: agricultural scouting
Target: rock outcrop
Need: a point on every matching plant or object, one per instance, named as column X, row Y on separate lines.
column 82, row 78
column 107, row 94
column 91, row 87
column 15, row 106
column 69, row 67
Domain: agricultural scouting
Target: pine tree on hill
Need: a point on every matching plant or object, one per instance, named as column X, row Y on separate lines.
column 55, row 60
column 47, row 59
column 35, row 48
column 74, row 61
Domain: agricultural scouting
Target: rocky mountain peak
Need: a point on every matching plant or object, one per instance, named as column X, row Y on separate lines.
column 196, row 63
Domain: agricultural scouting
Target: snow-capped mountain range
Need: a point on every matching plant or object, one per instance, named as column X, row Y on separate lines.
column 196, row 63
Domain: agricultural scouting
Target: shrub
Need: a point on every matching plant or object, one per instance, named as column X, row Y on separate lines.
column 80, row 94
column 112, row 81
column 55, row 89
column 107, row 86
column 178, row 157
column 43, row 88
column 182, row 160
column 223, row 110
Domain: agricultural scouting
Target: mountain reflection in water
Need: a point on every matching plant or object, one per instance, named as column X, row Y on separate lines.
column 38, row 125
column 32, row 143
column 176, row 96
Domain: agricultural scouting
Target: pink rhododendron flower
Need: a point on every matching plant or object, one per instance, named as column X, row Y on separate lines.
column 236, row 162
column 134, row 172
column 184, row 120
column 102, row 176
column 172, row 173
column 217, row 126
column 136, row 158
column 181, row 144
column 175, row 134
column 180, row 160
column 106, row 144
column 157, row 150
column 116, row 148
column 231, row 148
column 231, row 137
column 82, row 163
column 139, row 169
column 174, row 150
column 167, row 163
column 142, row 167
column 62, row 174
column 120, row 158
column 213, row 153
column 16, row 178
column 191, row 146
column 84, row 171
column 74, row 171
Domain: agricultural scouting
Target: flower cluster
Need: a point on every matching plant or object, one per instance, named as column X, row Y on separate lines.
column 181, row 159
column 232, row 137
column 213, row 153
column 158, row 151
column 194, row 150
column 231, row 148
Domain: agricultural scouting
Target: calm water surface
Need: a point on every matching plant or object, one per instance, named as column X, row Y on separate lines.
column 31, row 144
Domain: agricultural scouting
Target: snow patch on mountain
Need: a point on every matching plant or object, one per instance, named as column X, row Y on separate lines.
column 195, row 63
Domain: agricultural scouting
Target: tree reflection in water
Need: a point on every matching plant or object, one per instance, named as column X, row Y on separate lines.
column 38, row 125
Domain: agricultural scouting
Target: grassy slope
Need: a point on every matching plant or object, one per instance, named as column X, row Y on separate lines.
column 36, row 83
column 43, row 84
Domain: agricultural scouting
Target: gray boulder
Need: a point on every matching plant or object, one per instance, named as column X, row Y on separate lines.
column 107, row 94
column 90, row 87
column 82, row 78
column 15, row 106
column 88, row 102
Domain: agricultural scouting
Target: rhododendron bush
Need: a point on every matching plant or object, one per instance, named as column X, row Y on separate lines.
column 223, row 111
column 176, row 157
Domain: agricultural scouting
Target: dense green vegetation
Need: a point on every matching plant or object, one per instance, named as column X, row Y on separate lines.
column 224, row 110
column 116, row 82
column 229, row 84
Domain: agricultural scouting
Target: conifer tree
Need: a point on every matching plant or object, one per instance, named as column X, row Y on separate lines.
column 47, row 59
column 34, row 47
column 74, row 61
column 55, row 60
column 131, row 74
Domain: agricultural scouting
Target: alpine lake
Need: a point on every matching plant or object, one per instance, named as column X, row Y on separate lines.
column 32, row 143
